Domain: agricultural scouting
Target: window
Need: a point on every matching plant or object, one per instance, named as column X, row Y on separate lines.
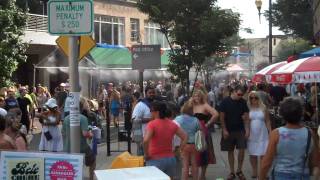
column 109, row 30
column 153, row 35
column 135, row 33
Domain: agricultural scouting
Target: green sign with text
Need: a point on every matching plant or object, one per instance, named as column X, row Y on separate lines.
column 70, row 17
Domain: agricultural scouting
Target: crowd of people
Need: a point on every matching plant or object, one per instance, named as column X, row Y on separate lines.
column 245, row 113
column 164, row 122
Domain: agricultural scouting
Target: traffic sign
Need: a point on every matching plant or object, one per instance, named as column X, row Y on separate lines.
column 70, row 17
column 86, row 44
column 146, row 57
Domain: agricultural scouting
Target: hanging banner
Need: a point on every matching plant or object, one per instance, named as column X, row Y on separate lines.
column 40, row 166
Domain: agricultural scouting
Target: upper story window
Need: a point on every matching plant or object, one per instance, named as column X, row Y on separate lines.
column 109, row 30
column 135, row 30
column 153, row 35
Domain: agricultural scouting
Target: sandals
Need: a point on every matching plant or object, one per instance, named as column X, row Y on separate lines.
column 241, row 175
column 231, row 176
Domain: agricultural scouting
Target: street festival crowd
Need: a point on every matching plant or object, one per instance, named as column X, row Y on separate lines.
column 275, row 125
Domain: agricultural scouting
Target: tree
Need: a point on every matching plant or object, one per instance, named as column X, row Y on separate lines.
column 197, row 28
column 291, row 47
column 12, row 49
column 293, row 17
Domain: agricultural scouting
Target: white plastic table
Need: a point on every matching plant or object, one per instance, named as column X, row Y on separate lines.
column 139, row 173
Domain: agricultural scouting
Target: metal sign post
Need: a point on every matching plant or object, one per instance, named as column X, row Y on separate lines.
column 72, row 18
column 75, row 132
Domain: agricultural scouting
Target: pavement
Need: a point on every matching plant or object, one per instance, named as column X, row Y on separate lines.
column 218, row 170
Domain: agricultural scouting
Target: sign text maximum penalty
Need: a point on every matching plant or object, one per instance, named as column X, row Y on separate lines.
column 67, row 11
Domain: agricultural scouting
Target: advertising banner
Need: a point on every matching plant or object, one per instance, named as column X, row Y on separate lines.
column 40, row 166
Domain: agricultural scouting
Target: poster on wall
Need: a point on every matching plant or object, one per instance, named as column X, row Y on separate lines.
column 38, row 165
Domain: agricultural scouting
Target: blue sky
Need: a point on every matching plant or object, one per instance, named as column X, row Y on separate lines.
column 249, row 17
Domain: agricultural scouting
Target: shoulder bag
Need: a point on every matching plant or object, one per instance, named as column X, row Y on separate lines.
column 200, row 141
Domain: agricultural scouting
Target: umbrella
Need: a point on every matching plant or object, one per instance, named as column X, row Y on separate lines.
column 234, row 68
column 304, row 70
column 265, row 73
column 312, row 52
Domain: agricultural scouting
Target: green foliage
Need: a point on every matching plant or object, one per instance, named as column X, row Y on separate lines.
column 12, row 49
column 198, row 29
column 291, row 47
column 293, row 17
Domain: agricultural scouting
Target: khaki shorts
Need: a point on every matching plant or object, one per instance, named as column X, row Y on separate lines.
column 235, row 140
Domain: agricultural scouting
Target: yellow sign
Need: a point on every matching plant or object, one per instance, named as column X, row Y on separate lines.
column 86, row 44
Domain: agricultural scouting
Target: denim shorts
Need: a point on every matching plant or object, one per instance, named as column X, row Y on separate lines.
column 166, row 165
column 290, row 176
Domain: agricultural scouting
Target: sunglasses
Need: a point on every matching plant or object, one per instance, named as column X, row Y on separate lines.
column 256, row 98
column 239, row 94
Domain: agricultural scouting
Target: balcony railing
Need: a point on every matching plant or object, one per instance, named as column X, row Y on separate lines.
column 36, row 22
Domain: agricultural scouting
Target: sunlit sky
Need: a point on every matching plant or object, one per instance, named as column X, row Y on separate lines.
column 249, row 17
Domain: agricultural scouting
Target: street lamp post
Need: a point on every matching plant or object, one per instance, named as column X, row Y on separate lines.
column 259, row 4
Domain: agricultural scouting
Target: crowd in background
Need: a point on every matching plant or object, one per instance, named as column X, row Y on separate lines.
column 163, row 120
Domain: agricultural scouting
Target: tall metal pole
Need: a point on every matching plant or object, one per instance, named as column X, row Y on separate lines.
column 34, row 75
column 270, row 32
column 141, row 82
column 75, row 89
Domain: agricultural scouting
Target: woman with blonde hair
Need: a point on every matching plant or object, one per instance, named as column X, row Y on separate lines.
column 206, row 115
column 42, row 98
column 259, row 128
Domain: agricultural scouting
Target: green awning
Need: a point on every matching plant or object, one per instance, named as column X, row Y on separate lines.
column 118, row 57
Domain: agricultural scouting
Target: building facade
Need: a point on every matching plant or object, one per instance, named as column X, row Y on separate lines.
column 116, row 23
column 254, row 52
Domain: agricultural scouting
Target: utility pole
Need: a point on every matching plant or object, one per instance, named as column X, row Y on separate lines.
column 259, row 4
column 270, row 32
column 75, row 94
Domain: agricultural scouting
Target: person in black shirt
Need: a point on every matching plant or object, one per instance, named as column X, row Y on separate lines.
column 234, row 119
column 277, row 94
column 24, row 102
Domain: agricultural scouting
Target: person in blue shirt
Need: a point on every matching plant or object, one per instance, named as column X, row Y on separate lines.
column 190, row 125
column 291, row 146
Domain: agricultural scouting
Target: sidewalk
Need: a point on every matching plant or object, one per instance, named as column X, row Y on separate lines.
column 221, row 169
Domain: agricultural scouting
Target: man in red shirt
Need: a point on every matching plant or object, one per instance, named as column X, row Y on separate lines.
column 158, row 140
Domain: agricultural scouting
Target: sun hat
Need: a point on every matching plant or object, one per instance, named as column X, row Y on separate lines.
column 51, row 103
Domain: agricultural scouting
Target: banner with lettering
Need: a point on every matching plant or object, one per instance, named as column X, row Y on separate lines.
column 25, row 168
column 39, row 166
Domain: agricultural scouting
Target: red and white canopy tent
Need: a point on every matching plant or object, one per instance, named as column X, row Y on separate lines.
column 306, row 70
column 265, row 73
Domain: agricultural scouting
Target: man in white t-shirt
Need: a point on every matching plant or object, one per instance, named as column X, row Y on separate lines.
column 141, row 115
